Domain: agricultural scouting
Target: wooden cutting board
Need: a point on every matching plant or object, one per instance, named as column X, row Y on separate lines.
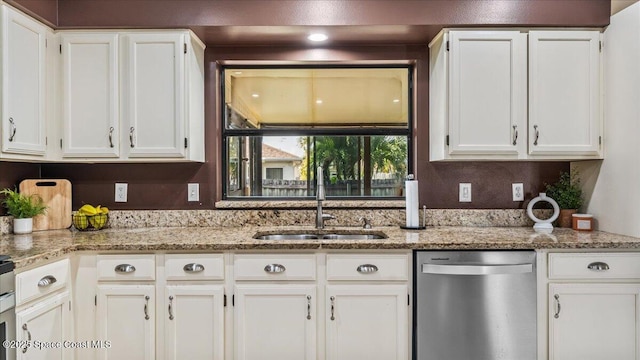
column 56, row 194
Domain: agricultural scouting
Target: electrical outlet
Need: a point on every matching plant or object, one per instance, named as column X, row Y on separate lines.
column 193, row 191
column 517, row 190
column 465, row 192
column 121, row 192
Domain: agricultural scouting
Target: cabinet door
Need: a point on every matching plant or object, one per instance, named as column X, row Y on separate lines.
column 564, row 92
column 275, row 322
column 367, row 322
column 194, row 322
column 125, row 316
column 487, row 92
column 46, row 322
column 90, row 90
column 23, row 84
column 154, row 95
column 594, row 321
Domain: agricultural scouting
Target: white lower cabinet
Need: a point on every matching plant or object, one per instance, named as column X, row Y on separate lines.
column 367, row 322
column 45, row 324
column 594, row 321
column 193, row 322
column 275, row 322
column 125, row 317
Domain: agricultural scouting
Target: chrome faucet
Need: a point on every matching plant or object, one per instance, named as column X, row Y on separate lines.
column 320, row 196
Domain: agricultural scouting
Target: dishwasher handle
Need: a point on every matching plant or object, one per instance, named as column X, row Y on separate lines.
column 477, row 269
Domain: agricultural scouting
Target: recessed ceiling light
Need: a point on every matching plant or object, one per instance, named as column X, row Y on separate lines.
column 396, row 100
column 255, row 95
column 319, row 101
column 317, row 37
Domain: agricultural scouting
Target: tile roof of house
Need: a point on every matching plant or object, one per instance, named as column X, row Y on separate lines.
column 270, row 152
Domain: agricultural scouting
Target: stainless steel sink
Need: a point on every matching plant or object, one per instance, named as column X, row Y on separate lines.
column 345, row 235
column 353, row 236
column 286, row 237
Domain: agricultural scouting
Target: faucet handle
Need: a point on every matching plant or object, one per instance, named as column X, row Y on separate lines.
column 366, row 223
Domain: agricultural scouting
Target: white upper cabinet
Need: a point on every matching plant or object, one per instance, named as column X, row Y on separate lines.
column 486, row 102
column 23, row 86
column 564, row 92
column 487, row 95
column 154, row 95
column 90, row 89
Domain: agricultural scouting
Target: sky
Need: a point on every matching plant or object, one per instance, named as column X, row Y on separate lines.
column 286, row 143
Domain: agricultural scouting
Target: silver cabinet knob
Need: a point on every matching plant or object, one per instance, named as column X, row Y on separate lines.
column 193, row 268
column 274, row 268
column 46, row 281
column 598, row 266
column 367, row 269
column 125, row 268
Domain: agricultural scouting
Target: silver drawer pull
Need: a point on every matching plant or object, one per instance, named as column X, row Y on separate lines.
column 557, row 314
column 367, row 269
column 46, row 281
column 125, row 268
column 274, row 268
column 13, row 128
column 193, row 268
column 598, row 266
column 146, row 307
column 26, row 346
column 170, row 307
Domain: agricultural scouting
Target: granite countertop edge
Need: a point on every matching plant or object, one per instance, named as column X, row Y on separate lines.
column 30, row 250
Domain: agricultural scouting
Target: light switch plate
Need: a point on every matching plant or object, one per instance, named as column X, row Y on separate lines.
column 517, row 191
column 121, row 192
column 193, row 191
column 465, row 192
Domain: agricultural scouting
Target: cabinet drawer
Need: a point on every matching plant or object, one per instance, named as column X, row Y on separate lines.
column 367, row 267
column 594, row 266
column 194, row 266
column 41, row 281
column 275, row 267
column 126, row 267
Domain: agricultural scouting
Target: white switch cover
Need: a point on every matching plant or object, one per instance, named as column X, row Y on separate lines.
column 193, row 191
column 121, row 192
column 465, row 192
column 517, row 189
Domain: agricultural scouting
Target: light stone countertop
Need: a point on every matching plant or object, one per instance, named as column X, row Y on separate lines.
column 29, row 250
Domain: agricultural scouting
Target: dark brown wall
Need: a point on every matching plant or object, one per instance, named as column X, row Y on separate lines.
column 163, row 186
column 44, row 10
column 175, row 13
column 12, row 173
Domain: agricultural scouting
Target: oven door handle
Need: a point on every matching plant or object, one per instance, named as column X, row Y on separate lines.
column 7, row 301
column 477, row 269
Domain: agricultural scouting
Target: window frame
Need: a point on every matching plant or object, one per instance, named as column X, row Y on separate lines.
column 321, row 131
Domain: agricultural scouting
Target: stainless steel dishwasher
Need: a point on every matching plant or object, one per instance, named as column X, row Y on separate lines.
column 475, row 305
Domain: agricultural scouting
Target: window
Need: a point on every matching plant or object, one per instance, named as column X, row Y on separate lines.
column 274, row 173
column 282, row 123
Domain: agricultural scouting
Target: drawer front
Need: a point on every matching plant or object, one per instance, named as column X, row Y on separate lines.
column 275, row 267
column 41, row 281
column 126, row 267
column 367, row 267
column 194, row 266
column 594, row 266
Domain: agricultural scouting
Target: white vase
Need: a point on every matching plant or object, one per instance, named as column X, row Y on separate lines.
column 23, row 226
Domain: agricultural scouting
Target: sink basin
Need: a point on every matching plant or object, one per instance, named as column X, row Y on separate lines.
column 286, row 237
column 343, row 235
column 353, row 236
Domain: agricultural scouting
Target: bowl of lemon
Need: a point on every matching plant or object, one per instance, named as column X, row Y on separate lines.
column 90, row 217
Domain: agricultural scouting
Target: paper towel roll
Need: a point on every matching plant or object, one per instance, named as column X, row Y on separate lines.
column 411, row 203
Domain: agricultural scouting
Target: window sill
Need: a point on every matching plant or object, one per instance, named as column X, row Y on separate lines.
column 311, row 204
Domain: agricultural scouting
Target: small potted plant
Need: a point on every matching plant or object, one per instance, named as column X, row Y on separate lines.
column 568, row 194
column 23, row 208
